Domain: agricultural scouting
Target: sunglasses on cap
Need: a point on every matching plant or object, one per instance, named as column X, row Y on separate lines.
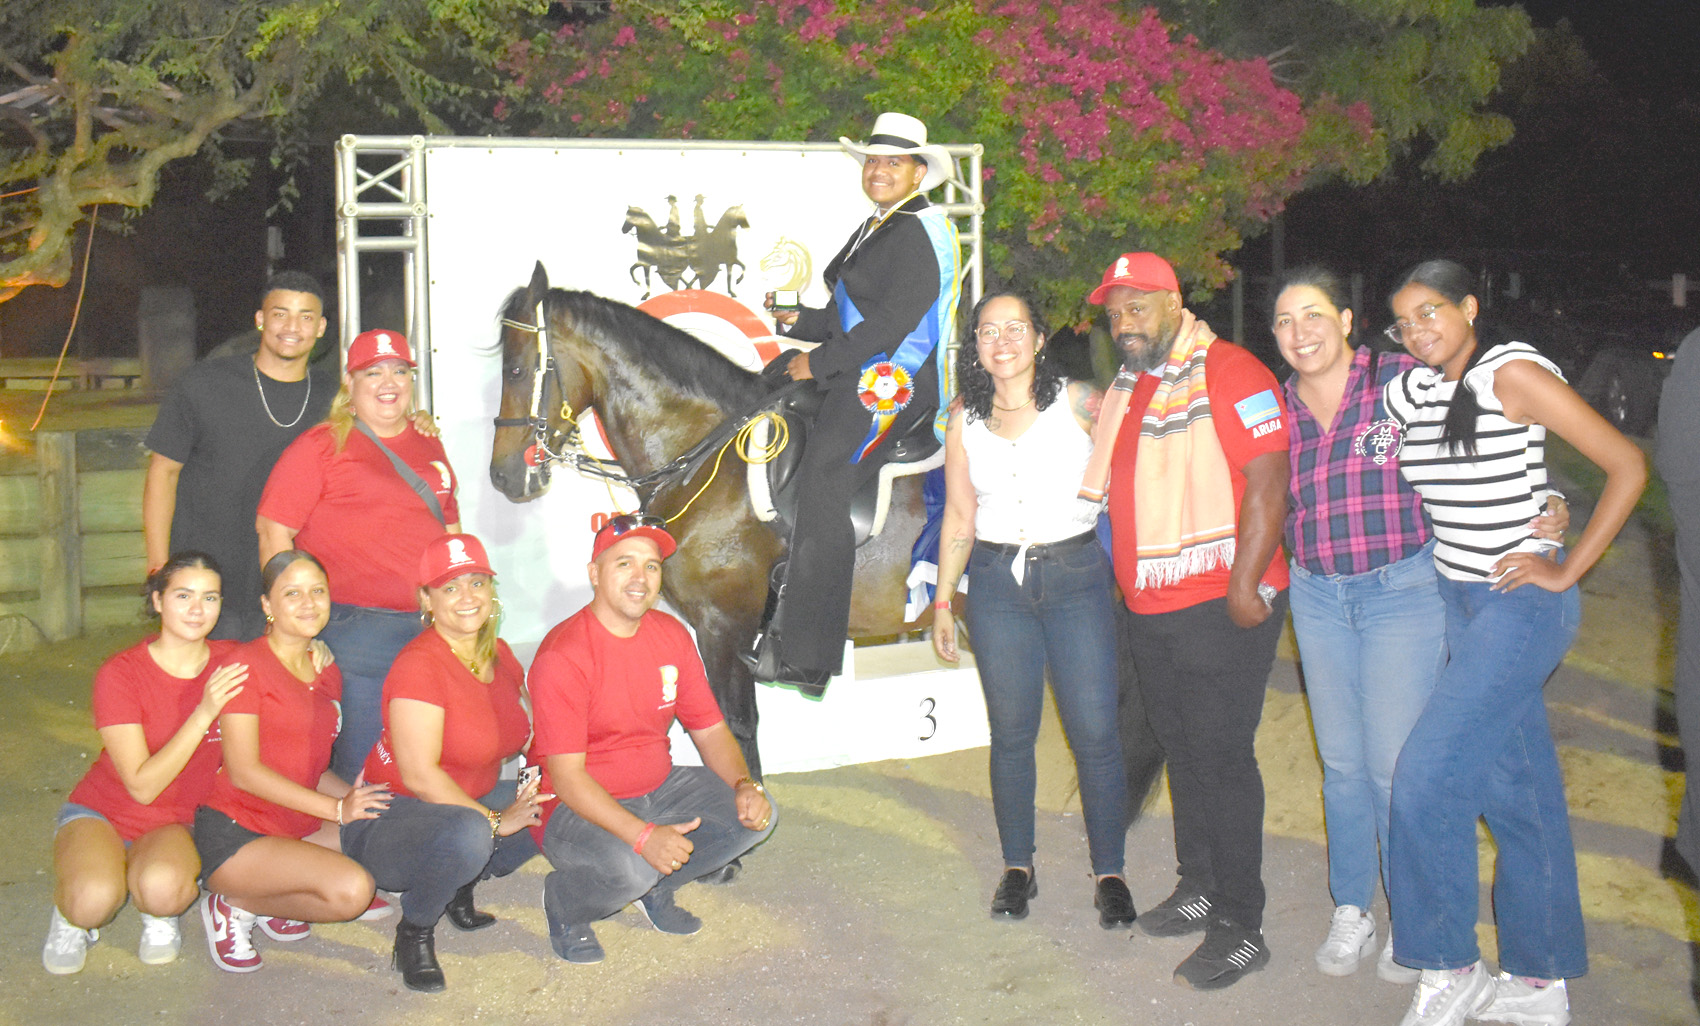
column 623, row 522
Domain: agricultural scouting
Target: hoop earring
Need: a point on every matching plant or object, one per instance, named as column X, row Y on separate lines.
column 268, row 623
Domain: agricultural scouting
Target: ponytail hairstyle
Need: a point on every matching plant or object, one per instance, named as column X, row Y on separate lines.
column 1454, row 281
column 158, row 581
column 276, row 565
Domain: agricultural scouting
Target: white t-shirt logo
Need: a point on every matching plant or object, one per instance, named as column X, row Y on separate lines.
column 448, row 484
column 669, row 684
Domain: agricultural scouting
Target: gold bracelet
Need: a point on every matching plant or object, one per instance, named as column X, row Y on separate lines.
column 746, row 780
column 495, row 819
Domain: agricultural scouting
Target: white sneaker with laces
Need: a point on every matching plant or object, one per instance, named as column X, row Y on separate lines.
column 1445, row 996
column 1392, row 971
column 1351, row 937
column 161, row 940
column 1517, row 1002
column 67, row 946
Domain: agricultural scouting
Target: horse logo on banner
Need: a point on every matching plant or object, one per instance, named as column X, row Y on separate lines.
column 685, row 261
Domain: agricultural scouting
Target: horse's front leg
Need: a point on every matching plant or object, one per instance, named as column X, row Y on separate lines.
column 733, row 687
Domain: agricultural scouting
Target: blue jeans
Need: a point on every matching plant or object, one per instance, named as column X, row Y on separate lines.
column 1483, row 748
column 1063, row 616
column 1372, row 645
column 428, row 851
column 597, row 874
column 365, row 642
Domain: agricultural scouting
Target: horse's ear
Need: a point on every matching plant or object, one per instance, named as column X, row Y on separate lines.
column 539, row 282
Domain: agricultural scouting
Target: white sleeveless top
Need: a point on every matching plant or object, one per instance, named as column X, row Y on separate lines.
column 1028, row 488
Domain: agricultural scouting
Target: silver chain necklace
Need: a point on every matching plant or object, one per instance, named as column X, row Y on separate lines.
column 268, row 406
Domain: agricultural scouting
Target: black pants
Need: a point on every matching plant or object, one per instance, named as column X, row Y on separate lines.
column 1203, row 681
column 815, row 618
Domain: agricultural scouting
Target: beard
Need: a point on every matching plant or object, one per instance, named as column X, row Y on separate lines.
column 1142, row 353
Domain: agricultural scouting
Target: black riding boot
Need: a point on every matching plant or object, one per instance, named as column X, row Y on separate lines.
column 416, row 957
column 462, row 913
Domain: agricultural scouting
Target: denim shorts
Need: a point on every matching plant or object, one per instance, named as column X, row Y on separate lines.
column 217, row 837
column 71, row 810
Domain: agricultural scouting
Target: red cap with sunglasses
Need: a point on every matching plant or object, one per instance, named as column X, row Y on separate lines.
column 634, row 525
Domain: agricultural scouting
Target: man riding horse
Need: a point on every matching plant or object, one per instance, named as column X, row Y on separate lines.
column 894, row 293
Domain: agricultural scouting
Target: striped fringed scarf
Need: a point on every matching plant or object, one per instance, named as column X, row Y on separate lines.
column 1184, row 512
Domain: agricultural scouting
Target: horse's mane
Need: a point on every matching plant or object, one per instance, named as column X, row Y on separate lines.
column 689, row 363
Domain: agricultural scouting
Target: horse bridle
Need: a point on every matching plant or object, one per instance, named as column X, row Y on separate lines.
column 542, row 453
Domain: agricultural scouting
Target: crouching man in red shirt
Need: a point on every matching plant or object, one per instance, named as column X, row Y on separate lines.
column 606, row 685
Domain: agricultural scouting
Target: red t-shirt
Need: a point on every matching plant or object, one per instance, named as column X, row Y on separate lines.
column 298, row 722
column 132, row 688
column 1231, row 374
column 614, row 699
column 353, row 511
column 483, row 724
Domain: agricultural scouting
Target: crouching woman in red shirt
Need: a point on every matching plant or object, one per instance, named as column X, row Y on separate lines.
column 453, row 713
column 273, row 790
column 124, row 830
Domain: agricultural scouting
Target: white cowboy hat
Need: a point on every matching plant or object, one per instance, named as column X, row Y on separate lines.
column 900, row 133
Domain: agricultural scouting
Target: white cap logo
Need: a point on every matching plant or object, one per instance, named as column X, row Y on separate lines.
column 457, row 552
column 384, row 347
column 1121, row 268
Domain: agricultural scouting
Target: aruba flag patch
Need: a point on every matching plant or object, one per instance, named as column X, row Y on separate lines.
column 1256, row 409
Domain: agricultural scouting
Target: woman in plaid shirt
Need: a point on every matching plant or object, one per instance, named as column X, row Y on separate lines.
column 1367, row 611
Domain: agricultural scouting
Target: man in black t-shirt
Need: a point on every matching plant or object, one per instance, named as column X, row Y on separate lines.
column 218, row 433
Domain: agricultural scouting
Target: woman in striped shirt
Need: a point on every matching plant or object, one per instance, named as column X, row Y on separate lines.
column 1475, row 419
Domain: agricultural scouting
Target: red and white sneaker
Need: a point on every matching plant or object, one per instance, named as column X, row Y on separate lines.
column 284, row 929
column 378, row 909
column 229, row 935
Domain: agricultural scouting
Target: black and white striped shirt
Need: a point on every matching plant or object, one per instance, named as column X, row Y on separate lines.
column 1480, row 505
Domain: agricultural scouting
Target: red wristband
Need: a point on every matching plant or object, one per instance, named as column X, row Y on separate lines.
column 941, row 603
column 643, row 837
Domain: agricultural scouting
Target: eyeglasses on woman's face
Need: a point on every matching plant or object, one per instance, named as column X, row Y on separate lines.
column 1011, row 331
column 1402, row 330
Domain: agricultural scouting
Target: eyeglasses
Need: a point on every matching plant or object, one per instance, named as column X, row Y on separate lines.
column 1400, row 331
column 621, row 523
column 1014, row 331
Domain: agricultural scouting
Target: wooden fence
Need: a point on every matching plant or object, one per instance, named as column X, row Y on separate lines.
column 71, row 553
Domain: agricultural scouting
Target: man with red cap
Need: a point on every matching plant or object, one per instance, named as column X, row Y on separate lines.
column 606, row 686
column 1192, row 440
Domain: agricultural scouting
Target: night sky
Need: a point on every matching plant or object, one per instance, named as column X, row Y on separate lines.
column 1650, row 48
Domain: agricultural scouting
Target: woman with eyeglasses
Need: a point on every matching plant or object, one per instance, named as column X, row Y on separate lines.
column 1367, row 613
column 1014, row 457
column 454, row 712
column 1475, row 420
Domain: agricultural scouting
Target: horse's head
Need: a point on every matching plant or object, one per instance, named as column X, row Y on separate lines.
column 636, row 221
column 540, row 394
column 733, row 217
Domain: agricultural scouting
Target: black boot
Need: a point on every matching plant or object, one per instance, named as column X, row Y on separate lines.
column 416, row 957
column 463, row 915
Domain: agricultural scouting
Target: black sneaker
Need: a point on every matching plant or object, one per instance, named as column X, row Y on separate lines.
column 1229, row 952
column 1183, row 912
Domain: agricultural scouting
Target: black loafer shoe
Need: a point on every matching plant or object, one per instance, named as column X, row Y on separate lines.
column 1114, row 904
column 1017, row 887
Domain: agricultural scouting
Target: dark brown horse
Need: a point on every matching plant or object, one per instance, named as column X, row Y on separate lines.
column 657, row 391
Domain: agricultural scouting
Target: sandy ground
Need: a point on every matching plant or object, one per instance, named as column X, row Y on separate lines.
column 868, row 904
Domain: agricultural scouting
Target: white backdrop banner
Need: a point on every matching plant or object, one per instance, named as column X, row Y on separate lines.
column 781, row 214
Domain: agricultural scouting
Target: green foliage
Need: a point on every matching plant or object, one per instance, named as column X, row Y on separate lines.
column 1105, row 128
column 106, row 92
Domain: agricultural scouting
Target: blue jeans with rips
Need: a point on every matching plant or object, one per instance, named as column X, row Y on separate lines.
column 1372, row 645
column 597, row 874
column 1483, row 749
column 1061, row 616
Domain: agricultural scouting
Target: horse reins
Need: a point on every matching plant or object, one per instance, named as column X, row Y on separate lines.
column 540, row 453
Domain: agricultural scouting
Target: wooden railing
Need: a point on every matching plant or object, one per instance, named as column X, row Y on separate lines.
column 71, row 553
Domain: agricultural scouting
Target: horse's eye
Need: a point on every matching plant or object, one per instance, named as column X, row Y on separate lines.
column 516, row 372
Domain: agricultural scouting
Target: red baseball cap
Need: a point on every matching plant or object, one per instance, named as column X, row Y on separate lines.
column 376, row 346
column 633, row 525
column 1146, row 272
column 449, row 556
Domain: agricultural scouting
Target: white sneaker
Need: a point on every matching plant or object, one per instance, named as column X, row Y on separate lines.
column 1392, row 971
column 1351, row 937
column 161, row 940
column 1444, row 996
column 1517, row 1002
column 67, row 946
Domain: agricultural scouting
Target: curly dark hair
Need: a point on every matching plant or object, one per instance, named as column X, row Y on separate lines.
column 975, row 385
